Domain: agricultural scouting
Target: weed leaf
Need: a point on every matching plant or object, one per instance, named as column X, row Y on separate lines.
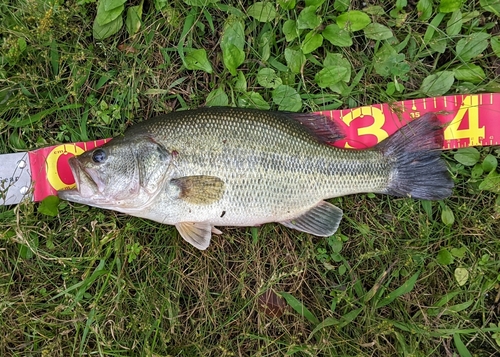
column 461, row 276
column 311, row 42
column 377, row 32
column 353, row 20
column 467, row 156
column 461, row 348
column 308, row 19
column 295, row 59
column 337, row 36
column 287, row 98
column 49, row 206
column 449, row 5
column 262, row 11
column 437, row 84
column 472, row 46
column 299, row 307
column 133, row 20
column 198, row 60
column 491, row 6
column 267, row 78
column 403, row 289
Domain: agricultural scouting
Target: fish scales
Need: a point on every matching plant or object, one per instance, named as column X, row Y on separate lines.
column 272, row 168
column 237, row 167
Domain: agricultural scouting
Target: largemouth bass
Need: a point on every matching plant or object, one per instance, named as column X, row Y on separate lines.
column 210, row 167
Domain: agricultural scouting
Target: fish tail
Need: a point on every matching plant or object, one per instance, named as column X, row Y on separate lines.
column 418, row 170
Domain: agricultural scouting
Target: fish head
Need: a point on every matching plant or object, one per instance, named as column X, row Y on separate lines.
column 124, row 175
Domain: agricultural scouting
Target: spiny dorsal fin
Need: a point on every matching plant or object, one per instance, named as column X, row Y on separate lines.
column 197, row 234
column 322, row 220
column 200, row 190
column 321, row 127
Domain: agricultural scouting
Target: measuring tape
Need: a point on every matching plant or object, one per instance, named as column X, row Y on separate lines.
column 471, row 120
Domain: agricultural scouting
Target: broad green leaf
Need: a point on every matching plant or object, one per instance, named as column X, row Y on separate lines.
column 337, row 36
column 472, row 45
column 198, row 60
column 299, row 307
column 341, row 5
column 21, row 43
column 470, row 73
column 329, row 76
column 495, row 43
column 111, row 4
column 337, row 60
column 262, row 11
column 290, row 30
column 374, row 10
column 439, row 43
column 217, row 98
column 461, row 348
column 232, row 44
column 403, row 289
column 447, row 216
column 444, row 257
column 311, row 42
column 264, row 40
column 104, row 16
column 449, row 5
column 467, row 156
column 353, row 20
column 133, row 20
column 28, row 251
column 267, row 78
column 461, row 276
column 240, row 82
column 454, row 24
column 287, row 4
column 490, row 163
column 491, row 6
column 477, row 171
column 335, row 243
column 295, row 59
column 253, row 100
column 49, row 206
column 102, row 32
column 377, row 32
column 160, row 4
column 424, row 8
column 458, row 252
column 437, row 84
column 491, row 182
column 287, row 98
column 308, row 19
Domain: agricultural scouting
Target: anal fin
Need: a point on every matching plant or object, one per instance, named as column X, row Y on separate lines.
column 197, row 234
column 322, row 220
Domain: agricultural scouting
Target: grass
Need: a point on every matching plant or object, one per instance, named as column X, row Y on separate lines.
column 94, row 282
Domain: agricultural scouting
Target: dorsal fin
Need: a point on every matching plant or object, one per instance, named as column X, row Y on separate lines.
column 323, row 128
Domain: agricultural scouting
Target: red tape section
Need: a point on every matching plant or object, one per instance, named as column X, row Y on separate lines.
column 472, row 120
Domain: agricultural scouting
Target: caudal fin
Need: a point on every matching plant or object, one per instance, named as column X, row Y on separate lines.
column 418, row 170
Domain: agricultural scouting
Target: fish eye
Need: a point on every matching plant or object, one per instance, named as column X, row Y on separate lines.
column 99, row 156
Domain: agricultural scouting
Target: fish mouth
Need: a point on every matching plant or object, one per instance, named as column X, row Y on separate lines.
column 88, row 186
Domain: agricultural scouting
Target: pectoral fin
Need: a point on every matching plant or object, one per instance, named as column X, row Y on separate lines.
column 200, row 190
column 321, row 220
column 197, row 233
